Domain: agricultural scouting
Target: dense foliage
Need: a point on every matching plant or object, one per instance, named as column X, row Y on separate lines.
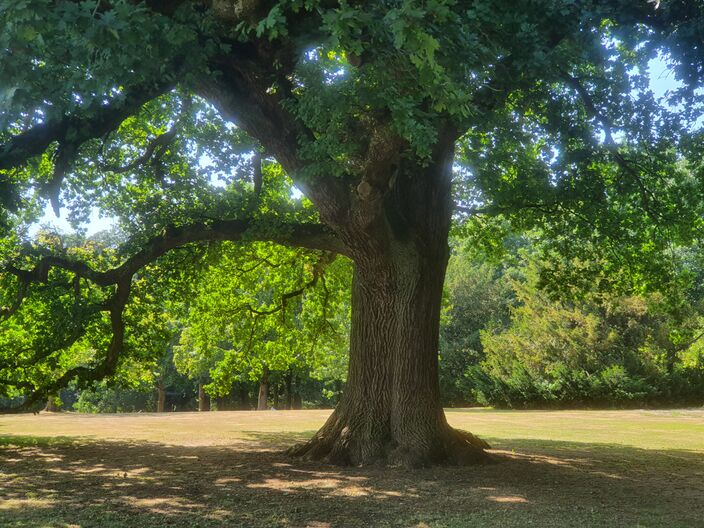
column 265, row 307
column 509, row 338
column 512, row 338
column 362, row 131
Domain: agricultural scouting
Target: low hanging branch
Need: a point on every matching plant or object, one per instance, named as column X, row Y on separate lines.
column 312, row 236
column 106, row 366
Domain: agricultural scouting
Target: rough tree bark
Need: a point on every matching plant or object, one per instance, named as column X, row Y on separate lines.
column 263, row 390
column 390, row 411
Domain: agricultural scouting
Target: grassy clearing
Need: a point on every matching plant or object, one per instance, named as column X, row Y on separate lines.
column 556, row 469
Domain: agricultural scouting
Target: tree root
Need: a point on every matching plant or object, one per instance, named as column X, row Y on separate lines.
column 345, row 446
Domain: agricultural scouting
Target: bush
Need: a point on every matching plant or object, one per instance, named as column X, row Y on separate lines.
column 103, row 399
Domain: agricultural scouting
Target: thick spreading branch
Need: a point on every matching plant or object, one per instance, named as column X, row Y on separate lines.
column 241, row 92
column 312, row 236
column 76, row 129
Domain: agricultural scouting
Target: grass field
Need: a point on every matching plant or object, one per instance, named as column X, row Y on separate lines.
column 555, row 469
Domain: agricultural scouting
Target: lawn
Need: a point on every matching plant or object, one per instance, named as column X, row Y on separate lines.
column 554, row 469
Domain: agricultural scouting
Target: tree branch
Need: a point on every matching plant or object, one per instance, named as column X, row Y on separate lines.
column 649, row 199
column 311, row 236
column 159, row 142
column 590, row 107
column 72, row 131
column 241, row 94
column 106, row 366
column 546, row 207
column 76, row 129
column 318, row 270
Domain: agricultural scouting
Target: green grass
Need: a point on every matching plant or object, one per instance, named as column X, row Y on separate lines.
column 556, row 469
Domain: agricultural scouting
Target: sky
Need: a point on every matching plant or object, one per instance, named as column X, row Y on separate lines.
column 49, row 219
column 661, row 80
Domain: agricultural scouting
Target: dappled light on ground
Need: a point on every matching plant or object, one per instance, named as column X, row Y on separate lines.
column 88, row 482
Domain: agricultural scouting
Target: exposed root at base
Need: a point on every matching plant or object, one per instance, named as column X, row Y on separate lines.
column 342, row 447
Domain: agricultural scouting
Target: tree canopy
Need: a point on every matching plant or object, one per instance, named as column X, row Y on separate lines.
column 197, row 121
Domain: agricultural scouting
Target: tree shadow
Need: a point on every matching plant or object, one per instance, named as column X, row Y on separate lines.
column 61, row 482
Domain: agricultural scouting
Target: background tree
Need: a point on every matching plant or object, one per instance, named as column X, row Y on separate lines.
column 263, row 309
column 478, row 296
column 611, row 342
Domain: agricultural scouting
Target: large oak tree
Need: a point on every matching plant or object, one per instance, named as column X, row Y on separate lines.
column 126, row 105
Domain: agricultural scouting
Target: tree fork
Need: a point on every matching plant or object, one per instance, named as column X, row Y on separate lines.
column 390, row 411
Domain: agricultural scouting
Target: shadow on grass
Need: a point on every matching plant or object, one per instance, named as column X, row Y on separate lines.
column 61, row 482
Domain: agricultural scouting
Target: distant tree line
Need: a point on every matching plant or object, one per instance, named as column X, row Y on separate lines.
column 530, row 331
column 520, row 328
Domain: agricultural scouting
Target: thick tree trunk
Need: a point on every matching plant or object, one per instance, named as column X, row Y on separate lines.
column 390, row 411
column 202, row 398
column 161, row 398
column 263, row 390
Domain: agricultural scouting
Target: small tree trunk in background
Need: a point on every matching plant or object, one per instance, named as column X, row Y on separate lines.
column 263, row 390
column 276, row 396
column 161, row 397
column 289, row 394
column 297, row 402
column 244, row 398
column 202, row 398
column 53, row 403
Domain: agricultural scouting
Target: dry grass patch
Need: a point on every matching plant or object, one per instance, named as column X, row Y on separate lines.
column 634, row 468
